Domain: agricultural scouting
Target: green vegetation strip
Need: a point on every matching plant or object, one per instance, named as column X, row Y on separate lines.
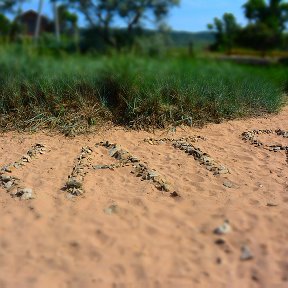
column 76, row 94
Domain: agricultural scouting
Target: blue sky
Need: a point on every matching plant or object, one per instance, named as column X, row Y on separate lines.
column 192, row 15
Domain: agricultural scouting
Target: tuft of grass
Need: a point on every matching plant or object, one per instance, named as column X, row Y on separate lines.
column 76, row 94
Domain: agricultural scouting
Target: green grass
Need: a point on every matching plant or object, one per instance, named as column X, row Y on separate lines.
column 75, row 93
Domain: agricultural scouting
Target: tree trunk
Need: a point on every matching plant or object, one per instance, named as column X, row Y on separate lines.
column 56, row 22
column 38, row 23
column 134, row 21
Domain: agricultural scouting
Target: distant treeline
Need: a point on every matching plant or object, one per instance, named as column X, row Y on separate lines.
column 99, row 15
column 266, row 28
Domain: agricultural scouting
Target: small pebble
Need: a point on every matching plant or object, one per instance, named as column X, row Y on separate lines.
column 152, row 174
column 174, row 194
column 218, row 260
column 97, row 167
column 272, row 204
column 246, row 253
column 223, row 229
column 113, row 151
column 25, row 193
column 75, row 191
column 228, row 184
column 5, row 178
column 73, row 183
column 112, row 209
column 8, row 184
column 220, row 241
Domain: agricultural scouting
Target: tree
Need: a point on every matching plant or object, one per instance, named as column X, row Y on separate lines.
column 259, row 37
column 226, row 30
column 273, row 14
column 101, row 13
column 7, row 5
column 4, row 25
column 267, row 22
column 67, row 20
column 277, row 15
column 10, row 6
column 38, row 23
column 134, row 11
column 56, row 20
column 13, row 29
column 254, row 10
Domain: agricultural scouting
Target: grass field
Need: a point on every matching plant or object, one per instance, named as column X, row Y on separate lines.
column 76, row 93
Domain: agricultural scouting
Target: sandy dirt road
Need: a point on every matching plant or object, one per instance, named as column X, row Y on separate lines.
column 124, row 232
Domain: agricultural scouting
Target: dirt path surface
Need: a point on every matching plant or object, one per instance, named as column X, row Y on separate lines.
column 127, row 231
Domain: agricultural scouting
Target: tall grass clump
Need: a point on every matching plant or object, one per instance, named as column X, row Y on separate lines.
column 76, row 93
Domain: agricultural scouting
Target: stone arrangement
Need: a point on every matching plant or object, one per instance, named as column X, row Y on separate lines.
column 82, row 164
column 184, row 143
column 251, row 137
column 139, row 169
column 282, row 133
column 13, row 184
column 194, row 139
column 202, row 157
column 74, row 185
column 117, row 152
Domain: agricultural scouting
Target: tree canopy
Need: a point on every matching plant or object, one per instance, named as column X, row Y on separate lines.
column 4, row 25
column 101, row 13
column 226, row 31
column 266, row 23
column 7, row 5
column 273, row 14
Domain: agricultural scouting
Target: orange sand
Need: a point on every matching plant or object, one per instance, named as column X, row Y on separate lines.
column 152, row 239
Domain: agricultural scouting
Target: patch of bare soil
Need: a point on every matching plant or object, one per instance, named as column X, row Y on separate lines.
column 193, row 208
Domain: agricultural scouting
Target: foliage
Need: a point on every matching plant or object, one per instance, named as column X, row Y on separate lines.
column 5, row 25
column 67, row 20
column 267, row 20
column 254, row 10
column 259, row 36
column 101, row 13
column 67, row 92
column 273, row 14
column 153, row 45
column 134, row 11
column 226, row 31
column 7, row 5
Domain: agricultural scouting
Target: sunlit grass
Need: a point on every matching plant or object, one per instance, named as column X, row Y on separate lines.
column 72, row 93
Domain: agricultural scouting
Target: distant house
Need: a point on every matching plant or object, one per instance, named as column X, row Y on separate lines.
column 28, row 21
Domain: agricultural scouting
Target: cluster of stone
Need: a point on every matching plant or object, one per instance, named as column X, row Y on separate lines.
column 74, row 185
column 12, row 184
column 141, row 170
column 125, row 158
column 13, row 187
column 276, row 148
column 26, row 158
column 251, row 137
column 282, row 133
column 202, row 157
column 116, row 151
column 194, row 139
